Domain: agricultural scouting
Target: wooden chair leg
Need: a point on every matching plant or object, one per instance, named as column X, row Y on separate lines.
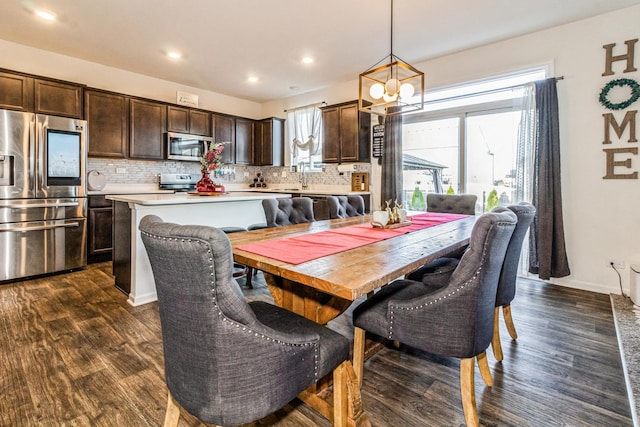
column 508, row 320
column 483, row 364
column 467, row 392
column 358, row 353
column 172, row 415
column 340, row 396
column 495, row 341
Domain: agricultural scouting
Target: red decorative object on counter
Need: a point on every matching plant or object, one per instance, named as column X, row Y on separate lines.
column 210, row 161
column 205, row 185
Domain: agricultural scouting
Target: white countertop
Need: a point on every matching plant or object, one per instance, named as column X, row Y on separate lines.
column 282, row 189
column 184, row 198
column 309, row 192
column 129, row 189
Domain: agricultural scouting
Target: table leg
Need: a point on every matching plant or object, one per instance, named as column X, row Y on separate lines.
column 345, row 381
column 305, row 301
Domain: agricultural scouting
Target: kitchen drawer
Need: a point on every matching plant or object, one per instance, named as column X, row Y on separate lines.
column 99, row 202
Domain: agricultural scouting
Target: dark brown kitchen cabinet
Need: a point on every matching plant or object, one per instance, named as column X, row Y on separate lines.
column 269, row 142
column 346, row 134
column 224, row 130
column 108, row 116
column 99, row 229
column 147, row 121
column 187, row 120
column 16, row 92
column 24, row 92
column 244, row 142
column 58, row 98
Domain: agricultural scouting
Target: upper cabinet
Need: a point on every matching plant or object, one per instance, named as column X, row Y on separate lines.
column 188, row 120
column 147, row 121
column 16, row 92
column 58, row 99
column 25, row 93
column 108, row 117
column 346, row 134
column 224, row 130
column 269, row 142
column 244, row 141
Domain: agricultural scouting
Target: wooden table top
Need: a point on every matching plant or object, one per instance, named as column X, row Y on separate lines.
column 353, row 273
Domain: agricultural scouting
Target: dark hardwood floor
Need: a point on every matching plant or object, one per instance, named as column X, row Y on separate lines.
column 74, row 353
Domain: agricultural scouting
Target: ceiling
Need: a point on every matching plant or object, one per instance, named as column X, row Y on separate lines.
column 223, row 42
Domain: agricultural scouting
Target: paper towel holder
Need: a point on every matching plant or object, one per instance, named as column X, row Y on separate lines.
column 347, row 167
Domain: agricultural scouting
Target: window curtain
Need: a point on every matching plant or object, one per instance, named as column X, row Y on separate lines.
column 392, row 160
column 306, row 131
column 525, row 150
column 548, row 257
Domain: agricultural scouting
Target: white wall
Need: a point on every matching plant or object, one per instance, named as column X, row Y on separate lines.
column 43, row 63
column 602, row 217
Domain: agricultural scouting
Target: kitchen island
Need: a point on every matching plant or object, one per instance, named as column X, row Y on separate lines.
column 131, row 266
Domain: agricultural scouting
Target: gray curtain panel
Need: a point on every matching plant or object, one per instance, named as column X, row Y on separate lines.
column 392, row 160
column 548, row 257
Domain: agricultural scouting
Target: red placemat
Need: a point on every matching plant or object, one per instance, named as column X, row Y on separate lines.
column 299, row 249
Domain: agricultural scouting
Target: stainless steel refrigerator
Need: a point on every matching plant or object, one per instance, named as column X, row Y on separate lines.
column 42, row 194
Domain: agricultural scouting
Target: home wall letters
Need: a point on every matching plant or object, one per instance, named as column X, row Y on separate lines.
column 619, row 163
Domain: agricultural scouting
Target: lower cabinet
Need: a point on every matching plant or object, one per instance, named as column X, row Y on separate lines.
column 99, row 229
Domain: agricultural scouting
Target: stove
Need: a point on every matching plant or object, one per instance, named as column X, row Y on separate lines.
column 178, row 181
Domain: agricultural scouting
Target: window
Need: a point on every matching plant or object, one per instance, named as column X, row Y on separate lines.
column 464, row 141
column 305, row 138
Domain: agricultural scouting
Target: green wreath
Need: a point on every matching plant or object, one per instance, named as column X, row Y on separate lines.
column 635, row 94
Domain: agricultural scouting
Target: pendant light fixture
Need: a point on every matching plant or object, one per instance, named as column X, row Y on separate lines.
column 392, row 88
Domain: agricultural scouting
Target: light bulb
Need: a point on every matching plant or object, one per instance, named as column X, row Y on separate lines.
column 406, row 91
column 390, row 98
column 376, row 91
column 392, row 86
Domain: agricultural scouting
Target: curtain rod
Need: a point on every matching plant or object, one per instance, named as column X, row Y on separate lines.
column 288, row 110
column 485, row 92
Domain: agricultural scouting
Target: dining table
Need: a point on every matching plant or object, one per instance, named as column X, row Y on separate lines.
column 318, row 269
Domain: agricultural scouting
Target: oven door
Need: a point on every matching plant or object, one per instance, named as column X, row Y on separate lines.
column 40, row 247
column 182, row 146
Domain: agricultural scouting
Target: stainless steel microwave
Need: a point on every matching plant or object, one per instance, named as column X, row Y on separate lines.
column 182, row 146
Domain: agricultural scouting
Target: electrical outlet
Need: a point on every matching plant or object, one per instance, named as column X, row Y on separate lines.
column 284, row 174
column 275, row 174
column 121, row 170
column 615, row 263
column 246, row 174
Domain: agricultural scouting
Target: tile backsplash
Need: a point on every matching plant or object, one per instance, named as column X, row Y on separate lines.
column 124, row 171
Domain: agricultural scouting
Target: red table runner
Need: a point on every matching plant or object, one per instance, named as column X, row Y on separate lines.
column 299, row 249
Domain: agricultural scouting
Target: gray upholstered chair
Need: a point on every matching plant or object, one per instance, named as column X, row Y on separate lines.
column 454, row 319
column 294, row 210
column 508, row 277
column 452, row 203
column 230, row 362
column 345, row 206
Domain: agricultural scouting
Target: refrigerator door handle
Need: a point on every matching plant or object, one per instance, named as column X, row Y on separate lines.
column 39, row 205
column 23, row 228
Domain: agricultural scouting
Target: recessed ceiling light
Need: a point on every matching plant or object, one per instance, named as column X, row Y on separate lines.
column 48, row 16
column 307, row 60
column 174, row 55
column 252, row 79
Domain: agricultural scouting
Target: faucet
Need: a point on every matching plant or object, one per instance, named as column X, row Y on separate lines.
column 303, row 175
